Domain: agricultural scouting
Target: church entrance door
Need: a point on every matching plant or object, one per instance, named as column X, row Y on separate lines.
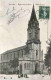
column 36, row 68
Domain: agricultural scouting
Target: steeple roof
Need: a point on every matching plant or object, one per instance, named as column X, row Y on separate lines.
column 33, row 15
column 33, row 22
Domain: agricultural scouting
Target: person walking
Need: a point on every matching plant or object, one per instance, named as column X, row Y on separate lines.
column 49, row 71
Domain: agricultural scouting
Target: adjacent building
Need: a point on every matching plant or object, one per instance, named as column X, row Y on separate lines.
column 30, row 56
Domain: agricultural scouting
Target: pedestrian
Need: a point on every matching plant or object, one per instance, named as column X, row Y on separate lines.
column 49, row 71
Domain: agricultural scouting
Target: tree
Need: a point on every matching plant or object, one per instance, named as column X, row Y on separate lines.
column 14, row 63
column 48, row 55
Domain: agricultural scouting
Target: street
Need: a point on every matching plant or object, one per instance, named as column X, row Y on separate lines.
column 30, row 77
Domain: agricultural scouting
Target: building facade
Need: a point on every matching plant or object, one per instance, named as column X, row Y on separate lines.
column 30, row 56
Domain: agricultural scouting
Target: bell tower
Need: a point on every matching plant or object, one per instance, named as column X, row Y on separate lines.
column 33, row 31
column 34, row 43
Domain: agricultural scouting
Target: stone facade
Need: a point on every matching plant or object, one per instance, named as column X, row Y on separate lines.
column 30, row 56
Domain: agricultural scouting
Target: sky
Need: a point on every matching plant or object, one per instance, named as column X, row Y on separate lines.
column 14, row 34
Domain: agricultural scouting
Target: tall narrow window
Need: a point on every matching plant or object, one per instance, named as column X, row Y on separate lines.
column 30, row 35
column 7, row 56
column 22, row 53
column 18, row 54
column 29, row 65
column 1, row 58
column 36, row 53
column 25, row 65
column 14, row 54
column 36, row 33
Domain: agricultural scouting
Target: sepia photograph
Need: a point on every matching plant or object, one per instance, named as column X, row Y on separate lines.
column 25, row 39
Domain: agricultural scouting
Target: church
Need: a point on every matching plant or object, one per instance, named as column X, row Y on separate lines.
column 30, row 56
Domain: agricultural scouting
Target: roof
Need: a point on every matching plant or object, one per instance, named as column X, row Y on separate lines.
column 15, row 49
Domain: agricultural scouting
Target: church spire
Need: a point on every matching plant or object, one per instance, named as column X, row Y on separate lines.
column 33, row 27
column 33, row 22
column 33, row 15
